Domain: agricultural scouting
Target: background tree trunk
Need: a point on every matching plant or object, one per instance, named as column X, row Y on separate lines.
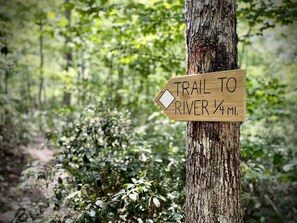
column 41, row 77
column 213, row 158
column 68, row 57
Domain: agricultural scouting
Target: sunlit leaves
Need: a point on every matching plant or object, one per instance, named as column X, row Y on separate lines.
column 261, row 14
column 51, row 15
column 68, row 6
column 63, row 22
column 133, row 196
column 156, row 202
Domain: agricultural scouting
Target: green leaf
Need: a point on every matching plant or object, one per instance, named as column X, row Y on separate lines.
column 290, row 165
column 258, row 153
column 133, row 196
column 287, row 167
column 72, row 195
column 69, row 6
column 99, row 203
column 277, row 159
column 51, row 15
column 59, row 195
column 63, row 22
column 92, row 213
column 156, row 202
column 60, row 181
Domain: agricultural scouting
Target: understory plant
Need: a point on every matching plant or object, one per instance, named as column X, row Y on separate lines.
column 113, row 175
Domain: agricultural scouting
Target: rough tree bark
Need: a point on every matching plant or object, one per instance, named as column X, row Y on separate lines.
column 213, row 159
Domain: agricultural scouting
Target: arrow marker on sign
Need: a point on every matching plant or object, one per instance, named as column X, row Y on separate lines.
column 217, row 96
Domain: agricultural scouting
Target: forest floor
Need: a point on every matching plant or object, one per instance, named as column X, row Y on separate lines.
column 11, row 167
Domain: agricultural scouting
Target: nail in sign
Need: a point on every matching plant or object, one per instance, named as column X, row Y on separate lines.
column 217, row 96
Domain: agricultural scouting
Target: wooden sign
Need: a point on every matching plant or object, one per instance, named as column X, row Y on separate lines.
column 217, row 96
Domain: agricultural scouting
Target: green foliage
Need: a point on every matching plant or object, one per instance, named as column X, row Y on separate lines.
column 15, row 124
column 117, row 176
column 122, row 53
column 268, row 145
column 261, row 14
column 265, row 98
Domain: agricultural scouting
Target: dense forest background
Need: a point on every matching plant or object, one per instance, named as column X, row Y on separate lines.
column 84, row 74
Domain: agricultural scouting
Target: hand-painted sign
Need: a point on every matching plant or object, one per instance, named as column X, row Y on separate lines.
column 217, row 96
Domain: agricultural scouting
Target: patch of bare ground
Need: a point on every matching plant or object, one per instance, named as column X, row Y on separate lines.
column 13, row 162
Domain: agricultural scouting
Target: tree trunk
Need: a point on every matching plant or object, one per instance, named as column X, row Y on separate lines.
column 120, row 85
column 110, row 83
column 213, row 148
column 28, row 89
column 6, row 82
column 83, row 80
column 41, row 77
column 68, row 58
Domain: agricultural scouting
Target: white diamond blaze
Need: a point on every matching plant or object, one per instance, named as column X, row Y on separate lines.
column 166, row 99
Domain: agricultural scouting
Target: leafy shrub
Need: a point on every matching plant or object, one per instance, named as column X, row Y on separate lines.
column 15, row 123
column 115, row 176
column 268, row 156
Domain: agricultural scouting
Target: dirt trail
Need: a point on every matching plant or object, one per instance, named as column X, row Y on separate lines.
column 33, row 151
column 11, row 167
